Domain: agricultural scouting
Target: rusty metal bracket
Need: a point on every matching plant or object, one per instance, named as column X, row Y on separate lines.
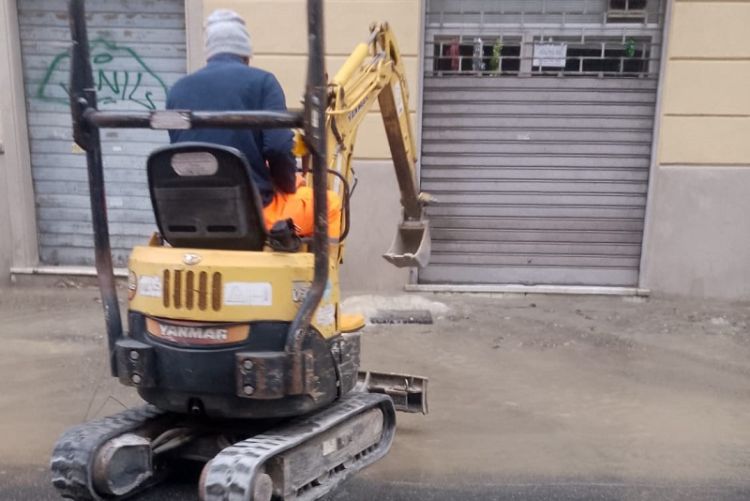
column 409, row 393
column 271, row 375
column 135, row 363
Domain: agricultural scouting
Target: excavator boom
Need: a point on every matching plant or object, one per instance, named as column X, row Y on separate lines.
column 374, row 73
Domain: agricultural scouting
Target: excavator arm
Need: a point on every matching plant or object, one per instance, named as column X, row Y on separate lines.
column 374, row 73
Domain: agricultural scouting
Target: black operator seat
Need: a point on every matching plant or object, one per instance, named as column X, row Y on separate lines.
column 204, row 197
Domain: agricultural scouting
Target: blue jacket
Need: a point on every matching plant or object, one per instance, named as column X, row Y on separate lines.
column 227, row 83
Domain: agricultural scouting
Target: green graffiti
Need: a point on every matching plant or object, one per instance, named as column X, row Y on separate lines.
column 113, row 84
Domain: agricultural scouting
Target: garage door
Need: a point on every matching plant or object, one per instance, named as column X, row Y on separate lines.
column 537, row 132
column 138, row 51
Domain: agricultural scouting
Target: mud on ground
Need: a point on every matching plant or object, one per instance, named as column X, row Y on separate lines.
column 528, row 395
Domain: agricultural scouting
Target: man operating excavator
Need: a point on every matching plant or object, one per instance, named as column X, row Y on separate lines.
column 227, row 82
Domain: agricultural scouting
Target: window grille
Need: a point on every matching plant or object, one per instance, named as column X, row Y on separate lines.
column 604, row 38
column 627, row 11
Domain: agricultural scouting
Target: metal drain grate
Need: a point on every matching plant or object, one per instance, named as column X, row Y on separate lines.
column 402, row 317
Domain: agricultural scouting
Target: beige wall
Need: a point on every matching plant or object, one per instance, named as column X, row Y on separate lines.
column 18, row 240
column 279, row 32
column 706, row 105
column 698, row 236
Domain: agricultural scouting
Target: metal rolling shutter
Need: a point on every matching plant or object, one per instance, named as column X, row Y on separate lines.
column 138, row 51
column 540, row 179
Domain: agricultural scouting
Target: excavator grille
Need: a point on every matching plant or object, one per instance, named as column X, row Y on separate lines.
column 191, row 290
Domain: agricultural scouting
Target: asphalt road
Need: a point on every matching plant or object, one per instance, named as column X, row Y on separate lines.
column 532, row 398
column 34, row 485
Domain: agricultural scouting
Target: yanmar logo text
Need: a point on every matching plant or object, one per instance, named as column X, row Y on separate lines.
column 198, row 333
column 354, row 112
column 184, row 333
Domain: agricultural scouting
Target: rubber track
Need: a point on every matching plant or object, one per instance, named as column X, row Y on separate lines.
column 75, row 450
column 230, row 475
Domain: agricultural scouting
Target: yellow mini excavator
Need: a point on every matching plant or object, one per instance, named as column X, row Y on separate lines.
column 235, row 337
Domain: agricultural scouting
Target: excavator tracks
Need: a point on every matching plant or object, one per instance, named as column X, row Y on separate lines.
column 73, row 456
column 306, row 458
column 300, row 460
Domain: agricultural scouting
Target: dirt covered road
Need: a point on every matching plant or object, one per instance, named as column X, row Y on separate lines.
column 536, row 397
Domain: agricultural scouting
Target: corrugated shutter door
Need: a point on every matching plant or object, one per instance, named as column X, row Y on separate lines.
column 138, row 51
column 540, row 180
column 538, row 120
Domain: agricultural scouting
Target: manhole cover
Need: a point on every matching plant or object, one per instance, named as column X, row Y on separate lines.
column 402, row 317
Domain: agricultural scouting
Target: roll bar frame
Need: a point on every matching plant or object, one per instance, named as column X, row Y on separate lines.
column 88, row 119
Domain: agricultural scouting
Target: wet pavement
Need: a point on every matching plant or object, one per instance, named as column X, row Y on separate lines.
column 540, row 398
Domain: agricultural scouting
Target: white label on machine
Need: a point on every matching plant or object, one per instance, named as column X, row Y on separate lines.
column 196, row 163
column 299, row 291
column 330, row 446
column 398, row 97
column 550, row 54
column 248, row 294
column 149, row 286
column 326, row 315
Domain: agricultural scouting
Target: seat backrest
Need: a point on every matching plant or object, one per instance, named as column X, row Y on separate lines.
column 204, row 197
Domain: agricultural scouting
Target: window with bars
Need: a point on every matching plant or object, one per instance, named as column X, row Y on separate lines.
column 489, row 12
column 627, row 11
column 612, row 57
column 627, row 4
column 591, row 56
column 457, row 55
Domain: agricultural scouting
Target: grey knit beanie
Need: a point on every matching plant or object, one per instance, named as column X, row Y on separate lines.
column 226, row 33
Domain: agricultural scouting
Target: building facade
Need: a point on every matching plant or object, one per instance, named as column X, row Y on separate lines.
column 575, row 144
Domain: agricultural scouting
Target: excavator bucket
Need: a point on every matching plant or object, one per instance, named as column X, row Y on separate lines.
column 411, row 247
column 409, row 393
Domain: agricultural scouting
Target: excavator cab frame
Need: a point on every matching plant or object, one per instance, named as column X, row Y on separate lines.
column 88, row 120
